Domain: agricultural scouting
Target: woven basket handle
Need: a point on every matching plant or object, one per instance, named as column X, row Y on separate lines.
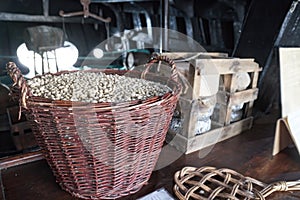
column 19, row 81
column 281, row 186
column 156, row 58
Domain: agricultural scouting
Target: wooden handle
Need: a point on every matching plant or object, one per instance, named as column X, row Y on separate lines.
column 19, row 81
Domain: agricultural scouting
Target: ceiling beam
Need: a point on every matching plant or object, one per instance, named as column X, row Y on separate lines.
column 4, row 16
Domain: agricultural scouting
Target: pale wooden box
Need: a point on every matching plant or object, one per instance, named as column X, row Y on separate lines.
column 226, row 96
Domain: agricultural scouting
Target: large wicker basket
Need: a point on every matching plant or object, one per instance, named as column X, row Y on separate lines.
column 121, row 142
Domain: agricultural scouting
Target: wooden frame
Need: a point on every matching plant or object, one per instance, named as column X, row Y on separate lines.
column 227, row 96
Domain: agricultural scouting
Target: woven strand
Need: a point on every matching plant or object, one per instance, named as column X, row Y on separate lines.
column 18, row 80
column 155, row 58
column 18, row 85
column 209, row 183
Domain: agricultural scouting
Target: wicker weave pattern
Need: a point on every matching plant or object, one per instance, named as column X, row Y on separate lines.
column 208, row 183
column 100, row 150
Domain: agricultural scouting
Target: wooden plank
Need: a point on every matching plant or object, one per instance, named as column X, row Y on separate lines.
column 221, row 134
column 254, row 78
column 230, row 99
column 243, row 96
column 4, row 16
column 196, row 84
column 226, row 78
column 209, row 138
column 193, row 55
column 21, row 159
column 232, row 87
column 249, row 109
column 226, row 66
column 249, row 106
column 228, row 111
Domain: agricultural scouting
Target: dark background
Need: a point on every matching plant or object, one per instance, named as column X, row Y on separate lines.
column 242, row 28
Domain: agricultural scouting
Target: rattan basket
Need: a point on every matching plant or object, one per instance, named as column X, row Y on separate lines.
column 121, row 142
column 210, row 183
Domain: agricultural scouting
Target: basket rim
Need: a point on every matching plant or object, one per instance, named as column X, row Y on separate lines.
column 26, row 96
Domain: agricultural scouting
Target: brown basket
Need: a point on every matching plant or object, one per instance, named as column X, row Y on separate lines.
column 209, row 183
column 101, row 150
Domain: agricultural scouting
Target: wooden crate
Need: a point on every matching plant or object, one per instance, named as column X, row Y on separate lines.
column 226, row 97
column 20, row 130
column 183, row 60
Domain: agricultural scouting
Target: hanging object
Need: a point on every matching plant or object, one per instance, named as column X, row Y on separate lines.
column 44, row 39
column 46, row 50
column 86, row 13
column 65, row 57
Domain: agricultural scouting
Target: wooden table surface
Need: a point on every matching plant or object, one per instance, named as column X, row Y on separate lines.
column 249, row 153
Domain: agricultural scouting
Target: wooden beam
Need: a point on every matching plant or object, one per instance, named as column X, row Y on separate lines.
column 46, row 8
column 25, row 158
column 4, row 16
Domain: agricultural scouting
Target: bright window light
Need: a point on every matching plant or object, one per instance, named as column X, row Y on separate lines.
column 66, row 57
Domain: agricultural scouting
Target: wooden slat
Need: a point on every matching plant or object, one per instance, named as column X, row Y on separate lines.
column 209, row 138
column 20, row 159
column 196, row 84
column 194, row 55
column 236, row 98
column 243, row 96
column 232, row 87
column 226, row 81
column 249, row 106
column 226, row 66
column 14, row 17
column 226, row 100
column 228, row 113
column 254, row 78
column 249, row 109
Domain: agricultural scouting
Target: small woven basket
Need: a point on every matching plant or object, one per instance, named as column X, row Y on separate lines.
column 210, row 183
column 101, row 150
